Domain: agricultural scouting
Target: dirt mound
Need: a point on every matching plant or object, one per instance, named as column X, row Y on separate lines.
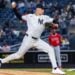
column 16, row 72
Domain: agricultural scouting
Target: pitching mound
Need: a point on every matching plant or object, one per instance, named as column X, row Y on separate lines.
column 16, row 72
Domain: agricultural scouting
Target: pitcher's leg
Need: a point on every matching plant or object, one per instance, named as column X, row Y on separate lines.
column 26, row 44
column 58, row 57
column 48, row 49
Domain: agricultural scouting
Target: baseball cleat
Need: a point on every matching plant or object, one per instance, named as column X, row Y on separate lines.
column 58, row 71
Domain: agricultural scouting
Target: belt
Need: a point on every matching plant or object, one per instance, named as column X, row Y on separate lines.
column 32, row 36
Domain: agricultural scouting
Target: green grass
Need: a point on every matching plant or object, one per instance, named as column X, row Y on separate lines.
column 44, row 70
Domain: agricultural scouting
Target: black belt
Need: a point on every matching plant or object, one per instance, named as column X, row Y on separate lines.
column 32, row 36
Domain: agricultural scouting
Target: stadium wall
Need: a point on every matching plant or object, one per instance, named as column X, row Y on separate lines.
column 38, row 59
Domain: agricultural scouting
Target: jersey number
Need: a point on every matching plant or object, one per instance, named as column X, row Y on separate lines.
column 40, row 21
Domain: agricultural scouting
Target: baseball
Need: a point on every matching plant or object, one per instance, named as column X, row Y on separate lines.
column 13, row 4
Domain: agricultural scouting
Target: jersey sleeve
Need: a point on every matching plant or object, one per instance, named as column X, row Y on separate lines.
column 48, row 19
column 24, row 17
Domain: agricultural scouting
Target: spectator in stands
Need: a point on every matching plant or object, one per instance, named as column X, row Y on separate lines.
column 73, row 7
column 62, row 24
column 69, row 5
column 5, row 47
column 22, row 7
column 72, row 10
column 38, row 1
column 32, row 4
column 72, row 22
column 64, row 13
column 42, row 2
column 20, row 4
column 55, row 13
column 15, row 32
column 65, row 43
column 1, row 32
column 49, row 5
column 7, row 2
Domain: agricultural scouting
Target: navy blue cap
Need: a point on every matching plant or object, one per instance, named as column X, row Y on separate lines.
column 40, row 6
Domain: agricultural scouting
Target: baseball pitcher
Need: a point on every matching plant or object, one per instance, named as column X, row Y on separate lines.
column 36, row 25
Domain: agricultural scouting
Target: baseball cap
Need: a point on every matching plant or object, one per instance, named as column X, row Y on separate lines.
column 40, row 6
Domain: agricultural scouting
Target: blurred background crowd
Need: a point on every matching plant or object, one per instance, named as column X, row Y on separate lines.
column 12, row 30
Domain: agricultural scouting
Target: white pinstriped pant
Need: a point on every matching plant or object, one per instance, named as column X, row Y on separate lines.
column 29, row 42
